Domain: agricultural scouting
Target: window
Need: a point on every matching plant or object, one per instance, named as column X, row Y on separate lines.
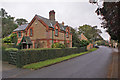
column 31, row 32
column 19, row 34
column 67, row 34
column 56, row 32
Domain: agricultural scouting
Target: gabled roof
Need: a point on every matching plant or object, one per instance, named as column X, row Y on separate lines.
column 51, row 23
column 22, row 27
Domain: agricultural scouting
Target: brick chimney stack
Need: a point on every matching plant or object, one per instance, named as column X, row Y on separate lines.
column 52, row 15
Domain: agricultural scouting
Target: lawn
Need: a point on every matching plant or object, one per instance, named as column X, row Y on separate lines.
column 45, row 63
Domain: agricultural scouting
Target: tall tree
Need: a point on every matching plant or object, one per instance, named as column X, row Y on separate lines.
column 8, row 24
column 110, row 13
column 21, row 21
column 75, row 39
column 92, row 33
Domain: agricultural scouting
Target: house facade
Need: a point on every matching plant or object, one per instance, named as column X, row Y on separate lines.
column 42, row 33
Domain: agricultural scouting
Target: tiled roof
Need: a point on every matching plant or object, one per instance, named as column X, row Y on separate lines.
column 22, row 27
column 52, row 23
column 47, row 21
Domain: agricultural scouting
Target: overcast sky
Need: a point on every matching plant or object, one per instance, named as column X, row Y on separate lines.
column 74, row 13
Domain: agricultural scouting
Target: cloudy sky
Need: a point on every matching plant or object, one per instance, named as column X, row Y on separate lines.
column 74, row 13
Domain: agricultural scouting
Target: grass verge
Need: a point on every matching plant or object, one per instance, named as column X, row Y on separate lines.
column 45, row 63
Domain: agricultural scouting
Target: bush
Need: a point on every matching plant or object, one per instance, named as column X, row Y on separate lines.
column 58, row 45
column 84, row 43
column 6, row 52
column 32, row 56
column 8, row 45
column 11, row 49
column 10, row 39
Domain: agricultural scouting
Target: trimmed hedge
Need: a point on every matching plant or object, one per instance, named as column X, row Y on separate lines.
column 23, row 57
column 33, row 56
column 6, row 52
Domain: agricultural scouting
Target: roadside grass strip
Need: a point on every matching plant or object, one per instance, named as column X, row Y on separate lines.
column 46, row 63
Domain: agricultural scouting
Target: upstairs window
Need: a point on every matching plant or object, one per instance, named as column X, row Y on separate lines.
column 19, row 34
column 31, row 32
column 56, row 32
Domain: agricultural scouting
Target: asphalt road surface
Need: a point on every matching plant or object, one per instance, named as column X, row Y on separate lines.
column 91, row 65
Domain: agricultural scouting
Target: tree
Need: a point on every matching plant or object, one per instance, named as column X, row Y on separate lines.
column 10, row 39
column 92, row 33
column 110, row 13
column 8, row 24
column 84, row 43
column 4, row 13
column 75, row 39
column 21, row 21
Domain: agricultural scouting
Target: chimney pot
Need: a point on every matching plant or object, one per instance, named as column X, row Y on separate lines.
column 63, row 23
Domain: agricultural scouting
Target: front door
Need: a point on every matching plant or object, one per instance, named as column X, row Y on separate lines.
column 24, row 46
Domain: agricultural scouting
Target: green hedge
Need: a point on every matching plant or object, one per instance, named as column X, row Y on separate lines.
column 6, row 52
column 23, row 57
column 31, row 56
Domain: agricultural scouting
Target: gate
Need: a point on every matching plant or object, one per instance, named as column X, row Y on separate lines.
column 13, row 58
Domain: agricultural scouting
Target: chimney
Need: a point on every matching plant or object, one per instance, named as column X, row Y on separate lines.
column 63, row 23
column 52, row 15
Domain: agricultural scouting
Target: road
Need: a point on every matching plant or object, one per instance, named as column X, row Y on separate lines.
column 91, row 65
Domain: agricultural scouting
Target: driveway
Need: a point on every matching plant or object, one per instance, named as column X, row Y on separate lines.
column 91, row 65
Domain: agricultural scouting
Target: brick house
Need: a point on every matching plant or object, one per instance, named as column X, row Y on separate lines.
column 82, row 37
column 42, row 33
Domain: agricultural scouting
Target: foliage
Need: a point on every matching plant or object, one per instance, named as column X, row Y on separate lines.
column 8, row 45
column 58, row 45
column 8, row 24
column 84, row 43
column 53, row 61
column 101, row 42
column 44, row 48
column 21, row 21
column 11, row 49
column 32, row 56
column 75, row 39
column 111, row 18
column 92, row 33
column 6, row 51
column 10, row 39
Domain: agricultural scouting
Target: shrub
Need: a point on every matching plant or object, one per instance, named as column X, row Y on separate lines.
column 58, row 45
column 32, row 56
column 84, row 43
column 11, row 49
column 8, row 45
column 6, row 52
column 10, row 39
